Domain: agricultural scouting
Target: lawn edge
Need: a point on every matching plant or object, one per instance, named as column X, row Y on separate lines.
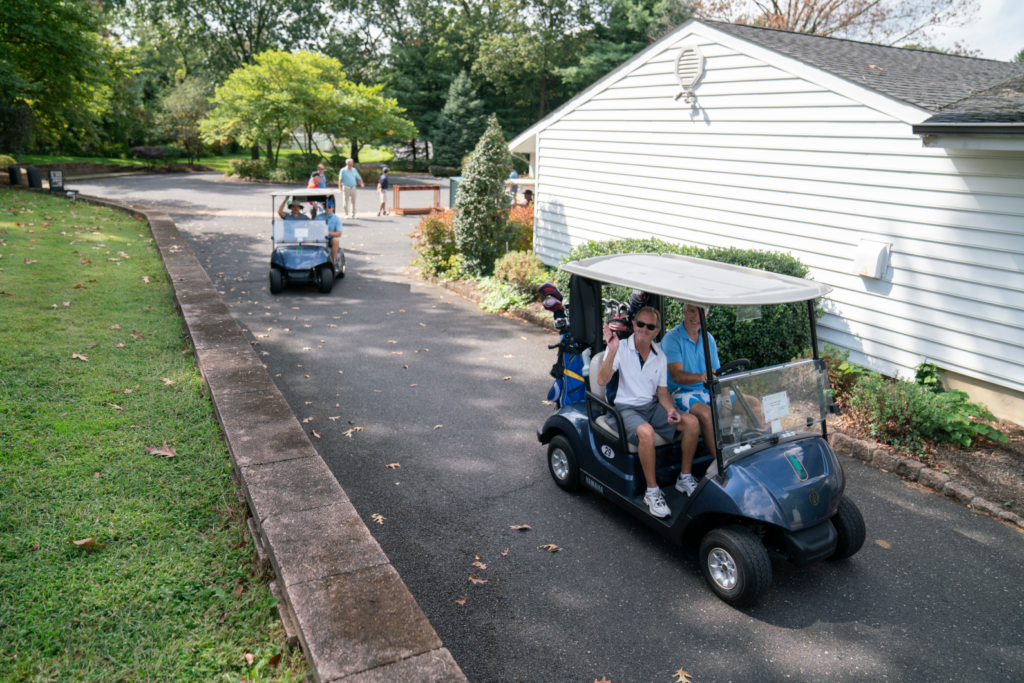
column 356, row 619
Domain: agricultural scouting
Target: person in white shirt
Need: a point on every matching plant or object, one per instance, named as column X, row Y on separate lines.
column 645, row 405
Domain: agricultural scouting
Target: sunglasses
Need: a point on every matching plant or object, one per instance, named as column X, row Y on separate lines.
column 649, row 326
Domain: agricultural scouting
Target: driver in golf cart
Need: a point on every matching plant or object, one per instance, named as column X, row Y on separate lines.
column 687, row 372
column 295, row 207
column 645, row 405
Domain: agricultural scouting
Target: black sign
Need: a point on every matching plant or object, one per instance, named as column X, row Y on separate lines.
column 56, row 180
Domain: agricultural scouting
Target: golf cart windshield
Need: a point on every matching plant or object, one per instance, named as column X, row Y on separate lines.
column 770, row 404
column 302, row 230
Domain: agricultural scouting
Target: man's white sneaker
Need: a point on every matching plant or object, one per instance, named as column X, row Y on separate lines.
column 656, row 504
column 686, row 485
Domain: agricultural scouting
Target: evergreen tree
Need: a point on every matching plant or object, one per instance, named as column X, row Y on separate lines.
column 481, row 211
column 461, row 124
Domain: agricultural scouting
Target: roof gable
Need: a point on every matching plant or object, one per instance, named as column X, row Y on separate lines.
column 929, row 80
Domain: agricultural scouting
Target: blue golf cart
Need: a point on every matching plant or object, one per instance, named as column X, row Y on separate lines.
column 302, row 248
column 775, row 489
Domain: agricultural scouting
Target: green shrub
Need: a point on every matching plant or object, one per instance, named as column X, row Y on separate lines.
column 906, row 414
column 172, row 153
column 444, row 171
column 481, row 220
column 502, row 296
column 842, row 374
column 248, row 168
column 781, row 332
column 522, row 270
column 6, row 161
column 370, row 176
column 435, row 243
column 928, row 376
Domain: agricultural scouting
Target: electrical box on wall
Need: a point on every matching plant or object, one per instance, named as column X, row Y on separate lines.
column 871, row 259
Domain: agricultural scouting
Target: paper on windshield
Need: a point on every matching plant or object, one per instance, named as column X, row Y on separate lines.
column 775, row 406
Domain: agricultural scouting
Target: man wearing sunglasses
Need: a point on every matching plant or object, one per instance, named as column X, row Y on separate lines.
column 644, row 403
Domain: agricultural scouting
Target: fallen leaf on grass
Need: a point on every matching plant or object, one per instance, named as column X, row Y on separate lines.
column 136, row 335
column 165, row 451
column 249, row 659
column 28, row 262
column 460, row 601
column 473, row 579
column 114, row 327
column 86, row 262
column 350, row 432
column 275, row 660
column 550, row 547
column 80, row 357
column 79, row 286
column 34, row 548
column 7, row 293
column 479, row 565
column 120, row 391
column 392, row 465
column 238, row 591
column 377, row 517
column 505, row 379
column 118, row 346
column 115, row 406
column 88, row 543
column 521, row 527
column 145, row 278
column 504, row 552
column 64, row 304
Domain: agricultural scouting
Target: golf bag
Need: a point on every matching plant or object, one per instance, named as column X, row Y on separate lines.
column 570, row 386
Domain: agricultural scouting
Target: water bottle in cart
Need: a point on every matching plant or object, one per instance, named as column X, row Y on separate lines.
column 737, row 428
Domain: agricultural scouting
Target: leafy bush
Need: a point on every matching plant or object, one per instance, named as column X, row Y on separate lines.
column 928, row 376
column 6, row 161
column 781, row 332
column 370, row 175
column 172, row 153
column 248, row 168
column 150, row 155
column 520, row 224
column 842, row 374
column 523, row 270
column 481, row 220
column 502, row 296
column 906, row 414
column 444, row 171
column 435, row 243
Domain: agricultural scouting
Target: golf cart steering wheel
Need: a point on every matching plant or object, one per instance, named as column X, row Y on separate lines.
column 732, row 366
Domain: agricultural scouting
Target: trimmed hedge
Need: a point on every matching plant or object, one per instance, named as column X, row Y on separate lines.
column 781, row 333
column 444, row 171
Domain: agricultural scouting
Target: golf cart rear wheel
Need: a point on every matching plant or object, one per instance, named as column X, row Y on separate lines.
column 562, row 464
column 735, row 564
column 341, row 269
column 276, row 281
column 326, row 280
column 849, row 524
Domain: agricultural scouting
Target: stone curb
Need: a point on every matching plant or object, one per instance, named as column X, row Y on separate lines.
column 339, row 595
column 916, row 471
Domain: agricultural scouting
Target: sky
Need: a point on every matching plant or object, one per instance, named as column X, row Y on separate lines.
column 998, row 30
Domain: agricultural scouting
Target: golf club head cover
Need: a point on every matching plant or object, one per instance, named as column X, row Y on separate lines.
column 548, row 289
column 555, row 306
column 621, row 327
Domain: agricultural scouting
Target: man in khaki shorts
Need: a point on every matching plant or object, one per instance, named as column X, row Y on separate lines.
column 347, row 180
column 644, row 403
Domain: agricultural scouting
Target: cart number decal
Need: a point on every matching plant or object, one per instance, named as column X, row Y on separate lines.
column 607, row 452
column 593, row 484
column 775, row 406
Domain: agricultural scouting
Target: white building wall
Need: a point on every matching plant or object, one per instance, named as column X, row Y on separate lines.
column 767, row 160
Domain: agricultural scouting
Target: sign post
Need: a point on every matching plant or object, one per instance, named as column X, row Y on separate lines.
column 56, row 180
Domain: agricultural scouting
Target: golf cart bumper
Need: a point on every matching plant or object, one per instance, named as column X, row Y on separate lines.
column 810, row 545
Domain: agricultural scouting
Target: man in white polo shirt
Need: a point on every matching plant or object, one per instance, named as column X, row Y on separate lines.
column 644, row 403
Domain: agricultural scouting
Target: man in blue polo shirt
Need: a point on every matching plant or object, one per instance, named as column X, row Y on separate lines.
column 347, row 180
column 687, row 369
column 644, row 403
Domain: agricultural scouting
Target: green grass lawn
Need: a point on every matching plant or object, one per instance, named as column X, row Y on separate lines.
column 219, row 163
column 175, row 594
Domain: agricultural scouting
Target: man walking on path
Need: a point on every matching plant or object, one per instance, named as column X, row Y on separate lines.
column 382, row 192
column 347, row 184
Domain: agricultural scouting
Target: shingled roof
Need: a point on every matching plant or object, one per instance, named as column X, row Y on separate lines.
column 930, row 80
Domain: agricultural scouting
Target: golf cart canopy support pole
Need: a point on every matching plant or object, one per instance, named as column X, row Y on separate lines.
column 712, row 385
column 814, row 350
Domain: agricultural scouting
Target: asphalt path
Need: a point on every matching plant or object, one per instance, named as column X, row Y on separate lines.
column 453, row 395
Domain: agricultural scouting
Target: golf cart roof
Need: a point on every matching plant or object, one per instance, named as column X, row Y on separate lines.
column 697, row 281
column 304, row 192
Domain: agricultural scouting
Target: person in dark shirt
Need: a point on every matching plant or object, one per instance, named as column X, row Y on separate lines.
column 382, row 192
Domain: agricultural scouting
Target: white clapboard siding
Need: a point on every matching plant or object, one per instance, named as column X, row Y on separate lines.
column 768, row 160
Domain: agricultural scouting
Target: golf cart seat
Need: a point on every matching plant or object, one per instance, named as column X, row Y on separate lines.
column 606, row 421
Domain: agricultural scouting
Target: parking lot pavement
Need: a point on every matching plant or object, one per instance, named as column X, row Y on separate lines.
column 935, row 594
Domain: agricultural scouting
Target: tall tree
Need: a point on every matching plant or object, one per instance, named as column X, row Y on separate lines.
column 182, row 111
column 462, row 123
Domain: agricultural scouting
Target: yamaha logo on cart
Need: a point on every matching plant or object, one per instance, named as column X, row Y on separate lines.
column 607, row 452
column 593, row 484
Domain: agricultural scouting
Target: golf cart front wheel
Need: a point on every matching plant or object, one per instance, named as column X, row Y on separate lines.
column 562, row 464
column 276, row 281
column 341, row 269
column 849, row 524
column 735, row 564
column 326, row 280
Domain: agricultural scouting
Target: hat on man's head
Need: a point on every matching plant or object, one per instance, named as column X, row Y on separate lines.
column 386, row 169
column 294, row 202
